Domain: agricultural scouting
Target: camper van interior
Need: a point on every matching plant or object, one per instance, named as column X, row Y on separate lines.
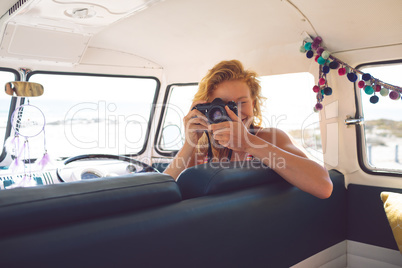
column 93, row 112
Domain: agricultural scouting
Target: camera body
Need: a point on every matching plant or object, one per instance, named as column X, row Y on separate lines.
column 215, row 110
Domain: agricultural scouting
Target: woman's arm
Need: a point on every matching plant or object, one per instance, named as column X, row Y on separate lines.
column 185, row 158
column 275, row 149
column 195, row 123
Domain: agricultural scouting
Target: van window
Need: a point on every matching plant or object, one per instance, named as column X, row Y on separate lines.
column 95, row 113
column 5, row 100
column 178, row 105
column 382, row 143
column 288, row 106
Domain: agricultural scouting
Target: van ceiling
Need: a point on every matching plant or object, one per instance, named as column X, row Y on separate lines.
column 188, row 36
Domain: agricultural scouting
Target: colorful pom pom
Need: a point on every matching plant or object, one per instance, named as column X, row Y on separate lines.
column 384, row 92
column 320, row 50
column 334, row 65
column 342, row 71
column 394, row 95
column 314, row 46
column 352, row 77
column 318, row 106
column 377, row 88
column 374, row 99
column 361, row 84
column 307, row 46
column 366, row 77
column 369, row 90
column 302, row 49
column 316, row 58
column 321, row 61
column 321, row 81
column 328, row 91
column 325, row 54
column 325, row 69
column 309, row 54
column 317, row 40
column 316, row 89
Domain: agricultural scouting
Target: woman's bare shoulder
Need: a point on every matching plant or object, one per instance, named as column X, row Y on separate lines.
column 272, row 135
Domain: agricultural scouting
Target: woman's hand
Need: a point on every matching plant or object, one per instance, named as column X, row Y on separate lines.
column 231, row 134
column 195, row 123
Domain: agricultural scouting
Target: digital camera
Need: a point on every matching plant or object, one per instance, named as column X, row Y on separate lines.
column 215, row 110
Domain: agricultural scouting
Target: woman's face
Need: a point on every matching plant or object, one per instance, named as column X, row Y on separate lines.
column 239, row 92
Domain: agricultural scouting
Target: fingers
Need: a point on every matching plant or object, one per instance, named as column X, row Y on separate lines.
column 195, row 114
column 231, row 114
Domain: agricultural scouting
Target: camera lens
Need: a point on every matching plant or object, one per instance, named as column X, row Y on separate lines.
column 216, row 114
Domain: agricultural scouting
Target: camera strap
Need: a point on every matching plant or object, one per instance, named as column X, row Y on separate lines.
column 209, row 156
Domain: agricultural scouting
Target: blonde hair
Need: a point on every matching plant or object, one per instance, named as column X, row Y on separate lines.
column 228, row 71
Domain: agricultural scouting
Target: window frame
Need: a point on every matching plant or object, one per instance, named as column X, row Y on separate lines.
column 154, row 101
column 158, row 134
column 360, row 133
column 13, row 104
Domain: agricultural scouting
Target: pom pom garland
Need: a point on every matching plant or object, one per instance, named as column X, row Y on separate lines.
column 327, row 62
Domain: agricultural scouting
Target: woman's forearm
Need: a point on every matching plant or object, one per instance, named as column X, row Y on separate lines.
column 183, row 159
column 302, row 172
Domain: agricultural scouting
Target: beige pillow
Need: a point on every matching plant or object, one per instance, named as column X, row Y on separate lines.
column 393, row 209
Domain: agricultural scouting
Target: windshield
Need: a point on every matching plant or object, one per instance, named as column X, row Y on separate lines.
column 5, row 100
column 93, row 114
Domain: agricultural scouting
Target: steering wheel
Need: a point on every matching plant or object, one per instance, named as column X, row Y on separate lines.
column 146, row 167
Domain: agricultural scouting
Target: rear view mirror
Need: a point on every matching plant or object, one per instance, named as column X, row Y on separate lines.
column 24, row 89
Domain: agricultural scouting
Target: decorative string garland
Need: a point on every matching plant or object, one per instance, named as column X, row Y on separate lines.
column 370, row 85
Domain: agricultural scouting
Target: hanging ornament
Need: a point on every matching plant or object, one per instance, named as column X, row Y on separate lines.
column 394, row 95
column 325, row 69
column 28, row 121
column 322, row 81
column 384, row 92
column 374, row 99
column 320, row 50
column 318, row 106
column 369, row 90
column 366, row 77
column 352, row 77
column 342, row 71
column 328, row 91
column 334, row 65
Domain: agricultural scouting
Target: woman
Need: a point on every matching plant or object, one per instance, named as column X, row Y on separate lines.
column 241, row 138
